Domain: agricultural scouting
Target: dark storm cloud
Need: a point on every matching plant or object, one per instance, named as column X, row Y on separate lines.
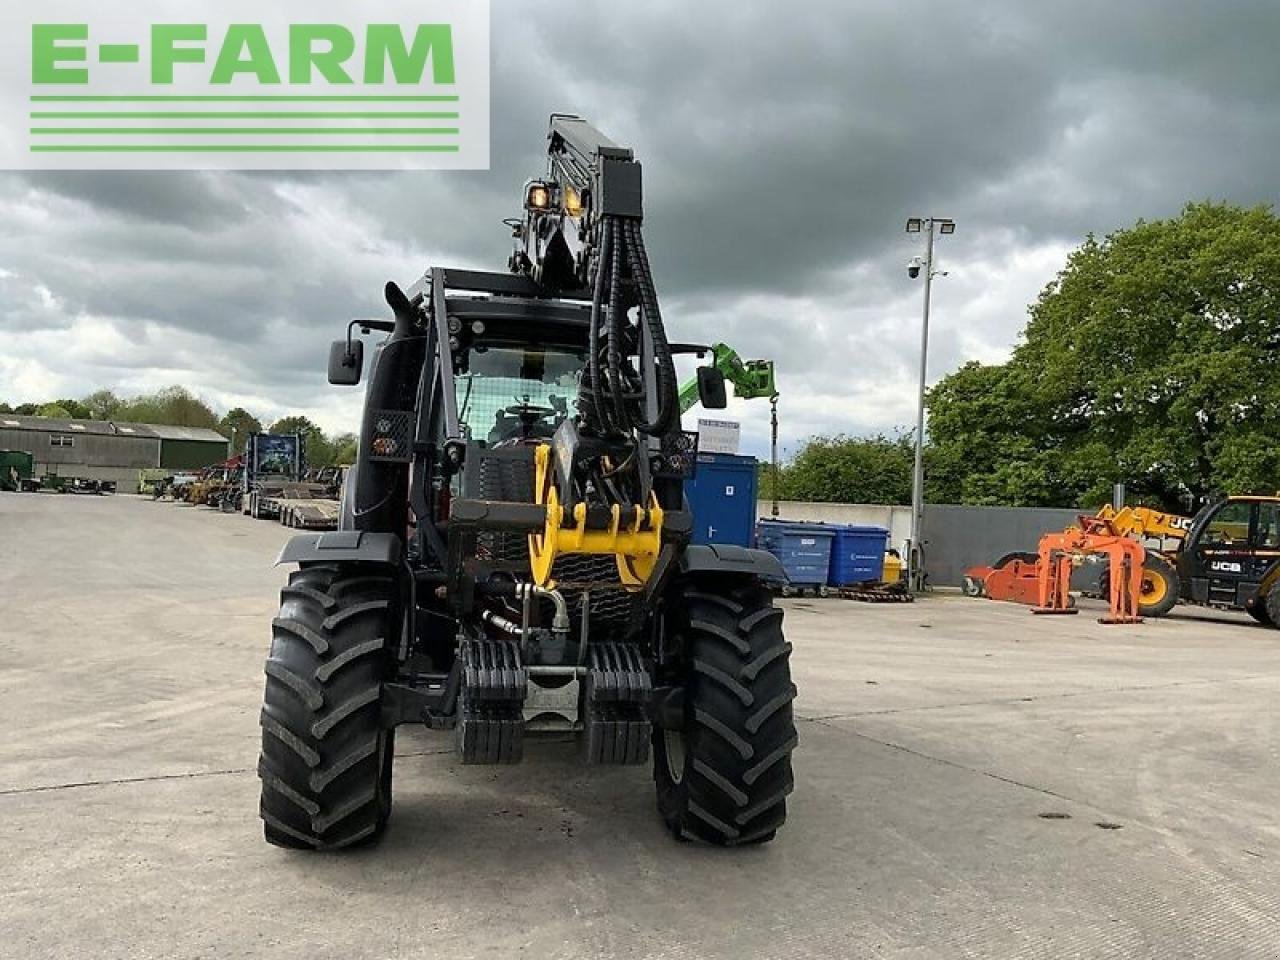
column 783, row 147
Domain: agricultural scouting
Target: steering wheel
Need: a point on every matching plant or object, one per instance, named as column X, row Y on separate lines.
column 529, row 413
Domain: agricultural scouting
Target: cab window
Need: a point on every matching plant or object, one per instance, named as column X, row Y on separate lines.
column 1267, row 536
column 1229, row 526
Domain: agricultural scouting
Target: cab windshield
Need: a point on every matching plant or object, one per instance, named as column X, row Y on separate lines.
column 517, row 392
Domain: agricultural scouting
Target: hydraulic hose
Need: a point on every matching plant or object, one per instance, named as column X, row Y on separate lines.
column 668, row 390
column 591, row 405
column 613, row 399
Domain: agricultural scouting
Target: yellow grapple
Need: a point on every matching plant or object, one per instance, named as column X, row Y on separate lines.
column 633, row 537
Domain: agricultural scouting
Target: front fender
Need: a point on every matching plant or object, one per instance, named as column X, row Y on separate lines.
column 343, row 545
column 725, row 558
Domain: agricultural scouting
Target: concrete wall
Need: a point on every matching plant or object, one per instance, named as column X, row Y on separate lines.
column 955, row 537
column 895, row 519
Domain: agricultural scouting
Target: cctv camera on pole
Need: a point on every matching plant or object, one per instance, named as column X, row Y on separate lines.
column 915, row 266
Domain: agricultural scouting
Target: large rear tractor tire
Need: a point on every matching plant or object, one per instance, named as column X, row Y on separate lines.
column 723, row 775
column 326, row 757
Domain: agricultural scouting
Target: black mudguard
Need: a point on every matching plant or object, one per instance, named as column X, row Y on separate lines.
column 343, row 545
column 725, row 558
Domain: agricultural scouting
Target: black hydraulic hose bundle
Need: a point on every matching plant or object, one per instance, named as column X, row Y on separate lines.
column 612, row 401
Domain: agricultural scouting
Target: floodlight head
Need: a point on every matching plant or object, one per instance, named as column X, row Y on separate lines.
column 946, row 226
column 914, row 224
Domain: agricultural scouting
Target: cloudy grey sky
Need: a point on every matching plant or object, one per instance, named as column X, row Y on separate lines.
column 784, row 145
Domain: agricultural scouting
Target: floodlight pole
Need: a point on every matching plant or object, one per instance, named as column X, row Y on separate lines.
column 915, row 571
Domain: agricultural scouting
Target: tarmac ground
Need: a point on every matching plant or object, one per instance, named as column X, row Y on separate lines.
column 972, row 781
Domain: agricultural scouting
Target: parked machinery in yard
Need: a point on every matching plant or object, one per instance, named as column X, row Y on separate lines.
column 213, row 483
column 1226, row 556
column 313, row 504
column 513, row 553
column 751, row 379
column 271, row 461
column 309, row 513
column 50, row 480
column 173, row 485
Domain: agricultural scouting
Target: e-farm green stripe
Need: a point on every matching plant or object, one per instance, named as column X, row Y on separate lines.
column 238, row 115
column 244, row 148
column 222, row 131
column 111, row 98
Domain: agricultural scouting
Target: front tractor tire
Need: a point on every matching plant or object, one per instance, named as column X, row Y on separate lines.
column 722, row 764
column 326, row 756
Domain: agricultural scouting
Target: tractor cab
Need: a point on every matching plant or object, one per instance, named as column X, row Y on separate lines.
column 511, row 393
column 1232, row 551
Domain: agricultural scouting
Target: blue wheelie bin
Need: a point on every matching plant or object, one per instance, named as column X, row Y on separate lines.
column 803, row 549
column 857, row 555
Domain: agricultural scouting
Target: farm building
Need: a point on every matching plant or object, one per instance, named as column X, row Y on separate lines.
column 102, row 450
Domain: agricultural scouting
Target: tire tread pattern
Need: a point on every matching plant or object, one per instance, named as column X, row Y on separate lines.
column 739, row 730
column 325, row 762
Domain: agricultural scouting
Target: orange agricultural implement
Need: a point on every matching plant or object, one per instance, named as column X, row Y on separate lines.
column 1017, row 577
column 1061, row 552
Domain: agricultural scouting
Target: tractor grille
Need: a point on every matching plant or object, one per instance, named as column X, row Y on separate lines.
column 502, row 474
column 506, row 473
column 611, row 605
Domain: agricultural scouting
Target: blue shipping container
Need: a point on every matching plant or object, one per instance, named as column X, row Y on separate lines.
column 857, row 554
column 722, row 496
column 804, row 549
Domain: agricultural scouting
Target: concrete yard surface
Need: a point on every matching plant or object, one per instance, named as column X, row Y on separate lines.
column 972, row 781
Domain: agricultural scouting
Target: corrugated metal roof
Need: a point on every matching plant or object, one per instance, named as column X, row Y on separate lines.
column 165, row 432
column 12, row 421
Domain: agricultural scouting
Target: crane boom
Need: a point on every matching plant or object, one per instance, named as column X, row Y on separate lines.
column 1145, row 523
column 751, row 379
column 581, row 232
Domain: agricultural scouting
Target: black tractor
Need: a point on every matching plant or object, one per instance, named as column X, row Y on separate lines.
column 513, row 555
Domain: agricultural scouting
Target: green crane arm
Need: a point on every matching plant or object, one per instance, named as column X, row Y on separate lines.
column 750, row 378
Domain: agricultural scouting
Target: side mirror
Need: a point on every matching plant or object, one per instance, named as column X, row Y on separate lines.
column 711, row 391
column 346, row 361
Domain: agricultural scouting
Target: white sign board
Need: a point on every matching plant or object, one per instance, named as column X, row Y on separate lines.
column 719, row 436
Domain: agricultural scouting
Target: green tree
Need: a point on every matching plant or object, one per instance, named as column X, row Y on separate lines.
column 175, row 406
column 102, row 404
column 844, row 469
column 319, row 449
column 344, row 448
column 53, row 410
column 237, row 424
column 1150, row 359
column 77, row 409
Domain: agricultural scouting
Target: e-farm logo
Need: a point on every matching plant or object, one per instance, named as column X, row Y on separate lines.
column 173, row 84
